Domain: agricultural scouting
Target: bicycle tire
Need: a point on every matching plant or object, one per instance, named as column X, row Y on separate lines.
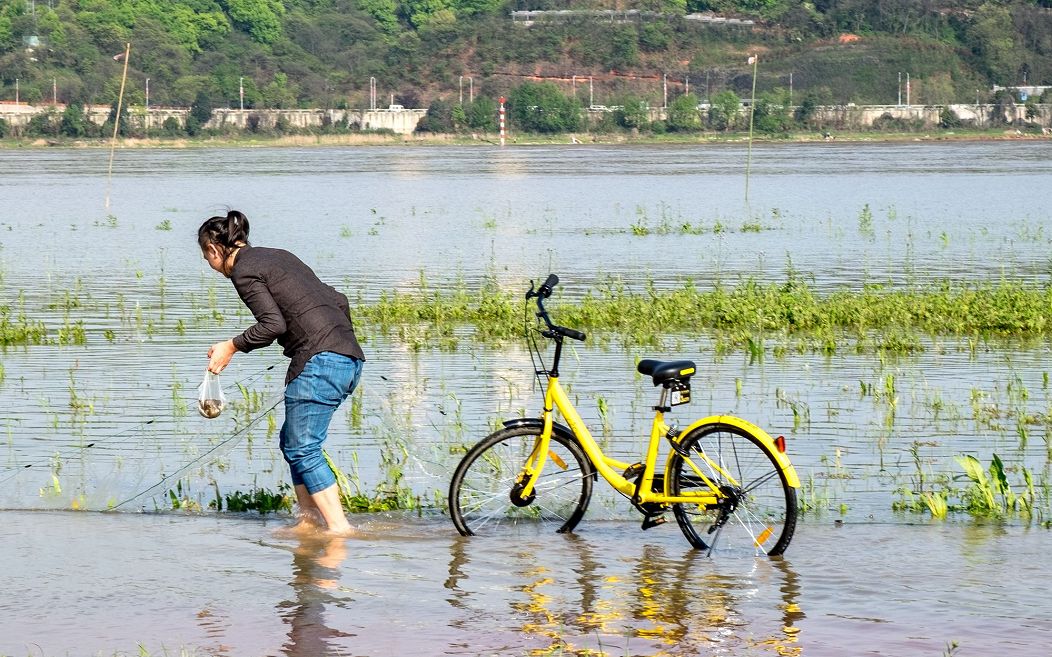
column 764, row 517
column 480, row 491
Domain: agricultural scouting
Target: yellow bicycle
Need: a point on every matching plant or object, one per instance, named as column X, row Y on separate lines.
column 729, row 484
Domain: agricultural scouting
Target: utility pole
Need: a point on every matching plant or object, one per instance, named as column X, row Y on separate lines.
column 54, row 91
column 241, row 92
column 16, row 91
column 907, row 89
column 372, row 93
column 471, row 89
column 664, row 90
column 900, row 89
column 591, row 102
column 686, row 85
column 790, row 88
column 147, row 94
column 461, row 83
column 573, row 85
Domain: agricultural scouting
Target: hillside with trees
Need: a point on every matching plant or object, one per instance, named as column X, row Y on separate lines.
column 462, row 54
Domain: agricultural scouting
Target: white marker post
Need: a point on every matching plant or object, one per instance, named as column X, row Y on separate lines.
column 502, row 120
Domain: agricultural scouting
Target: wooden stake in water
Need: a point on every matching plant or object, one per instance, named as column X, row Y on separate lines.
column 753, row 59
column 117, row 122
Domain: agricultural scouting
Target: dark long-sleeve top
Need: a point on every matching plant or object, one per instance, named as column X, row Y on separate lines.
column 291, row 305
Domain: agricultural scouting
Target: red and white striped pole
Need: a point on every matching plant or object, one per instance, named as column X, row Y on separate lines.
column 502, row 120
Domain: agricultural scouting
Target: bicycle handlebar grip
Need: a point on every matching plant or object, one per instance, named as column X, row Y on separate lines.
column 572, row 334
column 546, row 287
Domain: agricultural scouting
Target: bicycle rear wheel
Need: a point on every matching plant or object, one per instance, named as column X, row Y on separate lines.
column 480, row 494
column 757, row 513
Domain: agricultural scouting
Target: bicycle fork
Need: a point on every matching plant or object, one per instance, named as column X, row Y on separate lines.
column 523, row 492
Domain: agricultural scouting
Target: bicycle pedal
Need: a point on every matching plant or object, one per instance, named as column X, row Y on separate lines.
column 653, row 521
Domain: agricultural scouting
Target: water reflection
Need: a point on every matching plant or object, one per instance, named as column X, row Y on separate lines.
column 316, row 563
column 580, row 596
column 458, row 559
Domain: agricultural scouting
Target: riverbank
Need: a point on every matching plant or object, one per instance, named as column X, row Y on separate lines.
column 429, row 139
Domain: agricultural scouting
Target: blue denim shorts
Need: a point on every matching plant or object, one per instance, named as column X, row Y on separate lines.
column 311, row 399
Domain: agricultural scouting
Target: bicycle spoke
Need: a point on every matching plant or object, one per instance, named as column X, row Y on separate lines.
column 764, row 507
column 481, row 490
column 758, row 482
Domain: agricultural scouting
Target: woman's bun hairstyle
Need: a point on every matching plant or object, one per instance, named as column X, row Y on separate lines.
column 225, row 232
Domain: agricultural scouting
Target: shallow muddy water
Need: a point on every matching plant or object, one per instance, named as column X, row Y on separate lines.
column 406, row 585
column 112, row 421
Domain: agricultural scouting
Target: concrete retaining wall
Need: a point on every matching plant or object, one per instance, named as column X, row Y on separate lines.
column 403, row 122
column 398, row 121
column 856, row 117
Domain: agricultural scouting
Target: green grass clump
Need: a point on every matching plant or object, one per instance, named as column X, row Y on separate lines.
column 877, row 317
column 258, row 499
column 18, row 330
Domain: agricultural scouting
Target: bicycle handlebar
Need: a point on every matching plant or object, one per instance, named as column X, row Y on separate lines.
column 543, row 293
column 547, row 285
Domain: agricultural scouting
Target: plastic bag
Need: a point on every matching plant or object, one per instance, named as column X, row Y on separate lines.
column 210, row 399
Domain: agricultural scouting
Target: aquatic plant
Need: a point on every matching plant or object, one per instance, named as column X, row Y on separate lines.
column 875, row 317
column 604, row 414
column 390, row 497
column 260, row 500
column 18, row 330
column 865, row 221
column 988, row 493
column 179, row 405
column 180, row 499
column 993, row 495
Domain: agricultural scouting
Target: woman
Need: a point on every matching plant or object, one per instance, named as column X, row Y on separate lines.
column 312, row 322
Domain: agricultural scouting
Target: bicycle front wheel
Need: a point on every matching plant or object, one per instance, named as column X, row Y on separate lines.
column 480, row 494
column 757, row 510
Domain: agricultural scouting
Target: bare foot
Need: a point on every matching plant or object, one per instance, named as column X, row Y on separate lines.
column 307, row 523
column 342, row 532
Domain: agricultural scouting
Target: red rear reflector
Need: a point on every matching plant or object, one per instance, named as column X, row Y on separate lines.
column 779, row 442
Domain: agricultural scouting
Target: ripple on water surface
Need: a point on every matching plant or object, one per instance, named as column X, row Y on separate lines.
column 87, row 583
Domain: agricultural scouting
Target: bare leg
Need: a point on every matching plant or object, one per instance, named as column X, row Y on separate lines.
column 310, row 515
column 327, row 502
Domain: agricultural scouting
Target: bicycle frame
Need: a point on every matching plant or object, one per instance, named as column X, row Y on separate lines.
column 641, row 491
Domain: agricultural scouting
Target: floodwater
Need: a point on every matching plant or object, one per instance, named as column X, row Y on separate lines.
column 408, row 586
column 112, row 422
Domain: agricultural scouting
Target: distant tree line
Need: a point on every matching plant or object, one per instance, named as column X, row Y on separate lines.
column 323, row 53
column 542, row 108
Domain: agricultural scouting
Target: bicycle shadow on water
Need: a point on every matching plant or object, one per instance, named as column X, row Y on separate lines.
column 569, row 594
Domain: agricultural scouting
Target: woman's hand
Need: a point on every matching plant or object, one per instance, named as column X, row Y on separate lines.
column 219, row 356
